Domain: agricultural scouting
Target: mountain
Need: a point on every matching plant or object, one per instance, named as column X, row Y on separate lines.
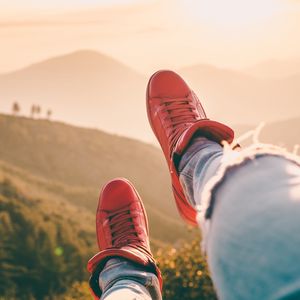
column 284, row 133
column 84, row 88
column 69, row 164
column 90, row 89
column 237, row 98
column 274, row 69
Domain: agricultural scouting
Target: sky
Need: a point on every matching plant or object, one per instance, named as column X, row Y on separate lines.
column 15, row 6
column 151, row 34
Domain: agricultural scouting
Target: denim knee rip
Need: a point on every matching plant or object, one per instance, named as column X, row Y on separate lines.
column 230, row 162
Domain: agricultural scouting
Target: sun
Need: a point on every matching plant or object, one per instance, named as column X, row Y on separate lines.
column 230, row 13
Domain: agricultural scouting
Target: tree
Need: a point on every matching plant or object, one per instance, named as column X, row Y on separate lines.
column 33, row 111
column 49, row 114
column 16, row 108
column 38, row 110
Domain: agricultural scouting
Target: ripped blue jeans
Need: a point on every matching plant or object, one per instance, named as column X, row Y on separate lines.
column 248, row 205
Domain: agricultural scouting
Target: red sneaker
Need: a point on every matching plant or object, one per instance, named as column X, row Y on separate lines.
column 122, row 230
column 176, row 116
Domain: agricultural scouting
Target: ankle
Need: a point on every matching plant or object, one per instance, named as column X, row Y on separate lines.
column 197, row 144
column 118, row 269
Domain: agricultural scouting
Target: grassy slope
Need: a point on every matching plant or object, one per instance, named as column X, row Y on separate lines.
column 59, row 161
column 32, row 231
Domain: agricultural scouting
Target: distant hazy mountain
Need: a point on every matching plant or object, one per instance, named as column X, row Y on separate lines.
column 284, row 133
column 274, row 69
column 93, row 90
column 234, row 97
column 71, row 164
column 84, row 88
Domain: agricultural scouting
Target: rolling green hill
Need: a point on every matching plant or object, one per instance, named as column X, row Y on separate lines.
column 50, row 177
column 42, row 249
column 43, row 253
column 56, row 161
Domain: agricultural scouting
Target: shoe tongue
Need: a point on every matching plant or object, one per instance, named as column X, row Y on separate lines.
column 206, row 128
column 184, row 139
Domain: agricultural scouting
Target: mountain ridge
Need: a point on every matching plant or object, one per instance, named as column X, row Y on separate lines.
column 87, row 88
column 274, row 68
column 84, row 88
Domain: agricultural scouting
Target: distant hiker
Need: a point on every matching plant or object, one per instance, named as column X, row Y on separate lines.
column 247, row 203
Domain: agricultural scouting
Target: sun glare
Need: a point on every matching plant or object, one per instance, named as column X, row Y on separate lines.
column 231, row 12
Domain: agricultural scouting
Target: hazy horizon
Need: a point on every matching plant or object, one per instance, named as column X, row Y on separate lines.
column 242, row 69
column 151, row 34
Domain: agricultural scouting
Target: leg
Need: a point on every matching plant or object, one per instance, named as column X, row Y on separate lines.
column 122, row 279
column 256, row 223
column 253, row 239
column 201, row 160
column 124, row 268
column 251, row 207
